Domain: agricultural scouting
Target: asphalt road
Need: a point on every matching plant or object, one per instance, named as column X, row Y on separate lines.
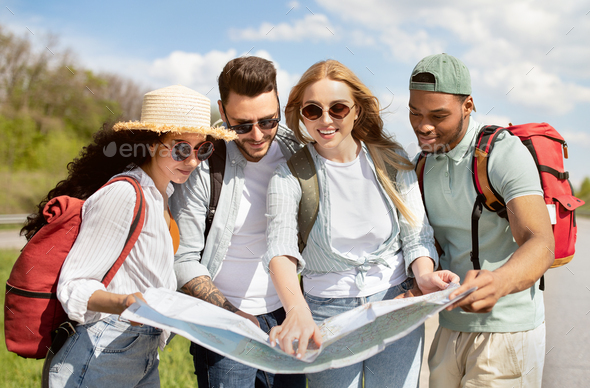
column 567, row 310
column 567, row 318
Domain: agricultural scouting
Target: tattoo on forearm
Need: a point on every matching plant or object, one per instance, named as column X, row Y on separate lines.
column 203, row 288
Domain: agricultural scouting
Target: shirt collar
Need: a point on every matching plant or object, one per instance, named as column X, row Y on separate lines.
column 145, row 180
column 234, row 155
column 318, row 158
column 462, row 149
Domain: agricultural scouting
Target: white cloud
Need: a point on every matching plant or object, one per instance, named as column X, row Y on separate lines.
column 531, row 86
column 499, row 41
column 200, row 71
column 314, row 27
column 361, row 38
column 194, row 70
column 491, row 119
column 579, row 138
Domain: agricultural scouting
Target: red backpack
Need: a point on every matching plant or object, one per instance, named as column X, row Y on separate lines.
column 545, row 145
column 32, row 312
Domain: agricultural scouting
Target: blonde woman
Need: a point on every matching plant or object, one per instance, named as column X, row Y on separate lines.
column 371, row 239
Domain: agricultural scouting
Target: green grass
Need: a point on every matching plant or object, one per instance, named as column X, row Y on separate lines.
column 176, row 366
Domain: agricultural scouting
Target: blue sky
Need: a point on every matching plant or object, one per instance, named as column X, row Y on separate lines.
column 528, row 60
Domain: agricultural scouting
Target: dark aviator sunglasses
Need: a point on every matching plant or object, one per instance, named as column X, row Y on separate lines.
column 241, row 129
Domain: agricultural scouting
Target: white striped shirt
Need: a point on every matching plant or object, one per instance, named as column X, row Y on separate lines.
column 106, row 219
column 284, row 195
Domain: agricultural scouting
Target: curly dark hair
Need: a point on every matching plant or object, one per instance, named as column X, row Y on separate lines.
column 109, row 154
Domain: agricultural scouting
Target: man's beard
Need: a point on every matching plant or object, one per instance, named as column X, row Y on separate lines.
column 244, row 150
column 444, row 148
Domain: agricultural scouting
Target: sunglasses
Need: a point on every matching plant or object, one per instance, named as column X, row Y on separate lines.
column 182, row 150
column 313, row 112
column 241, row 129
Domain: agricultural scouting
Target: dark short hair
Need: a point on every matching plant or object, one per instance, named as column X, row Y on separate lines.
column 428, row 78
column 247, row 76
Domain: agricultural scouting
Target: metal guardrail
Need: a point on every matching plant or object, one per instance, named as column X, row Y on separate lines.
column 6, row 219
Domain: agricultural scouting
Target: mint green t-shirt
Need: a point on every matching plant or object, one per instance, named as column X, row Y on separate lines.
column 450, row 195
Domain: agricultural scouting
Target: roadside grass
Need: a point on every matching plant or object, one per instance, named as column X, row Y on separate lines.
column 23, row 190
column 176, row 366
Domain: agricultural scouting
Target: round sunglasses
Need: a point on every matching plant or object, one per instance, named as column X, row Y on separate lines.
column 182, row 150
column 313, row 112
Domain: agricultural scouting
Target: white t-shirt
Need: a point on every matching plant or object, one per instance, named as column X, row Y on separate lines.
column 360, row 223
column 242, row 278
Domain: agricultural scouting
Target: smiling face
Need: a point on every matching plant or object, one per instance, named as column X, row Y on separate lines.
column 243, row 110
column 439, row 120
column 162, row 168
column 333, row 136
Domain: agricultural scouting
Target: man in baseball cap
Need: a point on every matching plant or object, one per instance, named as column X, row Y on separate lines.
column 496, row 336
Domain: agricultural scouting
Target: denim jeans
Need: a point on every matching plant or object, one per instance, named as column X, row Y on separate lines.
column 216, row 371
column 108, row 353
column 396, row 366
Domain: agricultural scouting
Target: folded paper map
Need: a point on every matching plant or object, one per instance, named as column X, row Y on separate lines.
column 348, row 338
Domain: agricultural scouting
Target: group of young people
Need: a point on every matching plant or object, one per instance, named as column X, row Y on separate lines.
column 371, row 239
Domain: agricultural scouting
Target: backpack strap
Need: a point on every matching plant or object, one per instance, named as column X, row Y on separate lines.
column 303, row 169
column 481, row 180
column 486, row 196
column 216, row 172
column 134, row 230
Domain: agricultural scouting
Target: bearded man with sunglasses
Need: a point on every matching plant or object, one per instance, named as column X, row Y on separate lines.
column 223, row 266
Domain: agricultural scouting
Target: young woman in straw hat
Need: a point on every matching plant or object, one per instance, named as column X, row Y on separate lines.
column 168, row 143
column 370, row 237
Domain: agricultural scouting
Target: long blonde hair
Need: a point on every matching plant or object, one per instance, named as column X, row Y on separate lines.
column 367, row 128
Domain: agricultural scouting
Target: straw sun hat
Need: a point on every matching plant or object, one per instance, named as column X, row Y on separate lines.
column 176, row 109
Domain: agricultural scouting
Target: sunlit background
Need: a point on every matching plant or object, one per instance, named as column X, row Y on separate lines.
column 528, row 62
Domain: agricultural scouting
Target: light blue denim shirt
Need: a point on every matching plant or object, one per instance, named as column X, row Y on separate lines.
column 190, row 204
column 284, row 195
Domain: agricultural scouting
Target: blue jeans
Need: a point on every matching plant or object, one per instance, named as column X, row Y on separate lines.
column 108, row 353
column 396, row 366
column 216, row 371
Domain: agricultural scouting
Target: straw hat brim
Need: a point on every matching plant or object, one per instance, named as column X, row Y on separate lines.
column 216, row 132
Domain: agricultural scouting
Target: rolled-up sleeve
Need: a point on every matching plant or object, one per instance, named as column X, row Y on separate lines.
column 189, row 205
column 282, row 205
column 106, row 219
column 417, row 240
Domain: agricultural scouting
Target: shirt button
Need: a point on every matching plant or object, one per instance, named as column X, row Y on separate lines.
column 233, row 162
column 446, row 174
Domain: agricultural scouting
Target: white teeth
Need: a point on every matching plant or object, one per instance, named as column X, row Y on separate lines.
column 327, row 132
